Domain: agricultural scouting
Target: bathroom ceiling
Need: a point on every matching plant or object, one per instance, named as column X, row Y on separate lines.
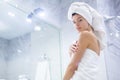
column 13, row 15
column 13, row 22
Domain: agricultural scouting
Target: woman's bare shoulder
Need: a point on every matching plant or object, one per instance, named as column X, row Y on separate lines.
column 86, row 34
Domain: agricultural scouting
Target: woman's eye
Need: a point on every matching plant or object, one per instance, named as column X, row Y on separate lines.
column 80, row 20
column 74, row 22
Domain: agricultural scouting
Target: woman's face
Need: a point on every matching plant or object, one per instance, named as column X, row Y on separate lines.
column 80, row 23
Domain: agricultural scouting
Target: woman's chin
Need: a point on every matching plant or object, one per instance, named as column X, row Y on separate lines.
column 79, row 31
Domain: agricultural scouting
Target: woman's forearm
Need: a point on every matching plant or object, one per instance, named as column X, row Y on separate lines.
column 69, row 72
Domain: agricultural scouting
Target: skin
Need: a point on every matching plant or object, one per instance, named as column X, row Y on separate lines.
column 86, row 40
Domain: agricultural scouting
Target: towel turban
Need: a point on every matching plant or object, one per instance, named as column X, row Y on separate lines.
column 92, row 17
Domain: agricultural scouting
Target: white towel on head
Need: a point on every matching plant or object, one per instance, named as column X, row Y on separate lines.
column 80, row 9
column 93, row 18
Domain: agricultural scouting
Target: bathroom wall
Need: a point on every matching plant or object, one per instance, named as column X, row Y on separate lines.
column 3, row 64
column 18, row 57
column 112, row 10
column 112, row 56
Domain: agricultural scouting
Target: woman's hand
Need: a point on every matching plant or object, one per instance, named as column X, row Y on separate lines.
column 73, row 48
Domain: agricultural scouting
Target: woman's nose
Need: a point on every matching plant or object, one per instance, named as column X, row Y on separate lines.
column 77, row 25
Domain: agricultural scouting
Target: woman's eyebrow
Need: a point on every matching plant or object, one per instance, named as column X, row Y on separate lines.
column 79, row 17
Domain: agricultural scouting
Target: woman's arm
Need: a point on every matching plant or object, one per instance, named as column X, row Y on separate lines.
column 83, row 43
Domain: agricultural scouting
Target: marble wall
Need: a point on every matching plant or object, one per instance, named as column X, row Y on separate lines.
column 112, row 21
column 112, row 56
column 3, row 52
column 17, row 56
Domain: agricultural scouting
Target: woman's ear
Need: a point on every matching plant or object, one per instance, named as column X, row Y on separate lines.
column 91, row 27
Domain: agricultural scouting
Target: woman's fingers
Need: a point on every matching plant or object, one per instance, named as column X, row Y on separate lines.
column 73, row 48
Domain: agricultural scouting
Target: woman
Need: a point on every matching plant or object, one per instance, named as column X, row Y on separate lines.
column 87, row 49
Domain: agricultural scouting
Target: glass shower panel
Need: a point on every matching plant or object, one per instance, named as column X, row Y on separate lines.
column 45, row 46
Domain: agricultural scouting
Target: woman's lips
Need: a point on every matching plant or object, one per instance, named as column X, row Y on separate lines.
column 79, row 28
